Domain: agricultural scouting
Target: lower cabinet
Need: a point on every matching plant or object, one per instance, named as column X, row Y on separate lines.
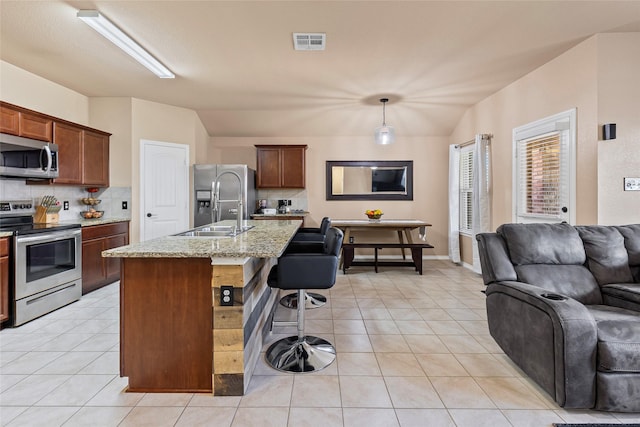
column 4, row 278
column 96, row 270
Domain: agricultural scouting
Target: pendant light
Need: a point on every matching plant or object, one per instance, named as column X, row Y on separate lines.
column 385, row 134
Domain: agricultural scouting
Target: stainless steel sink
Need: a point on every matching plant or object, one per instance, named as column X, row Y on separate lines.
column 215, row 231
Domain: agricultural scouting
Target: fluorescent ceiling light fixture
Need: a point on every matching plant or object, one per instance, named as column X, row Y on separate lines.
column 106, row 28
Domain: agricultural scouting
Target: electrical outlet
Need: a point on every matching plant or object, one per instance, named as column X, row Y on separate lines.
column 226, row 295
column 124, row 204
column 65, row 205
column 632, row 184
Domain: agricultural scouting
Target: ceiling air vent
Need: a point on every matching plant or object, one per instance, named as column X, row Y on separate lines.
column 309, row 41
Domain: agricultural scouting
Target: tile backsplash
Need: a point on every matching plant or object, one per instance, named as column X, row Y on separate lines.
column 111, row 198
column 298, row 197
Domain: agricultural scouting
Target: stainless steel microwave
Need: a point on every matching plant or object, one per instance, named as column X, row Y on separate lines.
column 27, row 158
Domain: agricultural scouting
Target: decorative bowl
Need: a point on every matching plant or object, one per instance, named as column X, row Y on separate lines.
column 91, row 215
column 91, row 201
column 374, row 214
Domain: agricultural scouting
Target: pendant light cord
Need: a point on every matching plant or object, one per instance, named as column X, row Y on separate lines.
column 384, row 116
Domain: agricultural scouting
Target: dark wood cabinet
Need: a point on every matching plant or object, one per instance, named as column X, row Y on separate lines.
column 83, row 152
column 95, row 159
column 83, row 156
column 96, row 270
column 26, row 123
column 4, row 278
column 69, row 140
column 9, row 121
column 36, row 127
column 281, row 166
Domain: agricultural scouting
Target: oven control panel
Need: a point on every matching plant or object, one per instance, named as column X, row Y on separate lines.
column 24, row 207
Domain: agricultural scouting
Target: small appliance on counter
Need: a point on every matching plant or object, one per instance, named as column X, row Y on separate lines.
column 262, row 205
column 284, row 206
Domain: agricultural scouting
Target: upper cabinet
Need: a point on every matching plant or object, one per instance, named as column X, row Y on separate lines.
column 281, row 166
column 83, row 152
column 25, row 123
column 83, row 156
column 69, row 140
column 95, row 159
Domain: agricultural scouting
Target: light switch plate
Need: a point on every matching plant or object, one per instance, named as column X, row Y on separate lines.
column 632, row 184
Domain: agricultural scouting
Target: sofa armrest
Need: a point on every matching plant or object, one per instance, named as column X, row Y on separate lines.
column 553, row 340
column 623, row 295
column 494, row 258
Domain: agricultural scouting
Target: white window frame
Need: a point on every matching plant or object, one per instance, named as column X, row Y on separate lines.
column 565, row 123
column 466, row 204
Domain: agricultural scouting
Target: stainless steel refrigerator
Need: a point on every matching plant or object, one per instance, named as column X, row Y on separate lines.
column 231, row 180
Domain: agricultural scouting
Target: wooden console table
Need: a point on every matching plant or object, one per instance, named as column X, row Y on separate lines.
column 402, row 226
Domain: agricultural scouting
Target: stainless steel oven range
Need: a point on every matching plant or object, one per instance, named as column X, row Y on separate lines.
column 47, row 262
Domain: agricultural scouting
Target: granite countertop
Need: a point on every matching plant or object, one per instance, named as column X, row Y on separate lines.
column 97, row 221
column 281, row 215
column 267, row 239
column 6, row 233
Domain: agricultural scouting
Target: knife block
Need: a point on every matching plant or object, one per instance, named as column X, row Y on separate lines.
column 42, row 217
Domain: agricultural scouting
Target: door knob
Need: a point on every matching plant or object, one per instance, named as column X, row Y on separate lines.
column 564, row 209
column 149, row 215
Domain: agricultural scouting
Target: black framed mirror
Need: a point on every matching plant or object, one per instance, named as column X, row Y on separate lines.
column 370, row 180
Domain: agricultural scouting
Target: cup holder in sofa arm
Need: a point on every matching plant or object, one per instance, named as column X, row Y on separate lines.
column 554, row 297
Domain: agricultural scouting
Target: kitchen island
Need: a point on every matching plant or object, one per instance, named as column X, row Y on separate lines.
column 175, row 334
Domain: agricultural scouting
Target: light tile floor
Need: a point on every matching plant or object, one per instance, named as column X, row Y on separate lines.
column 412, row 351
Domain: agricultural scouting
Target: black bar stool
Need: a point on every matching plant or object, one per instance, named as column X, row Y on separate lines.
column 307, row 240
column 301, row 271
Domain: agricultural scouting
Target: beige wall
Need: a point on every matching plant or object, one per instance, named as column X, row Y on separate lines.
column 20, row 87
column 568, row 81
column 164, row 123
column 113, row 115
column 429, row 155
column 619, row 102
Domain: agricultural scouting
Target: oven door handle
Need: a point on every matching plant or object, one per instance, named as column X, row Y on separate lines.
column 49, row 237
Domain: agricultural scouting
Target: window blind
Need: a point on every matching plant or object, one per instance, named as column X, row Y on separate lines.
column 466, row 188
column 540, row 164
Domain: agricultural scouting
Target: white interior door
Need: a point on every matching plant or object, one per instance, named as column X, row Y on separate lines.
column 164, row 185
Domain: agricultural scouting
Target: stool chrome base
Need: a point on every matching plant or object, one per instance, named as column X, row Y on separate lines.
column 293, row 354
column 311, row 300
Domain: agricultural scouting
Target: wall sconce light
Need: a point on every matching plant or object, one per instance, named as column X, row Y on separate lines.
column 609, row 131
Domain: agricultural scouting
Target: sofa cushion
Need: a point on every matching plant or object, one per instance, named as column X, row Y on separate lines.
column 606, row 254
column 574, row 281
column 618, row 339
column 543, row 244
column 631, row 234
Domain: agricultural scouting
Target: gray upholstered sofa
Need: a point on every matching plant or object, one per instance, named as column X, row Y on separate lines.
column 563, row 302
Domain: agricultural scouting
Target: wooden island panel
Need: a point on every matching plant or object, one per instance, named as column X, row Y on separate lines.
column 239, row 331
column 175, row 334
column 166, row 342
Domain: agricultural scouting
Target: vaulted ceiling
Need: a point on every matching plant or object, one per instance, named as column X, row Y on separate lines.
column 236, row 67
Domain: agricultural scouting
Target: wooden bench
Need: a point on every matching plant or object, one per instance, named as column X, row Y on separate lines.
column 348, row 250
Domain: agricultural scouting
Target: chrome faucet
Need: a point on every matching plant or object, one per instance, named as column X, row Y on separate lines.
column 217, row 201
